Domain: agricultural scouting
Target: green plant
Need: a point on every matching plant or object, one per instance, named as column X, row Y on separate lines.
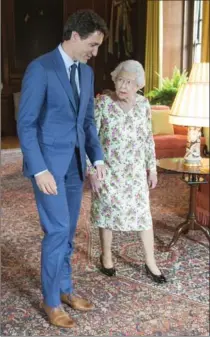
column 166, row 94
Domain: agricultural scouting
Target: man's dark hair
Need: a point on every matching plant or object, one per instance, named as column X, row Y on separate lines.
column 84, row 22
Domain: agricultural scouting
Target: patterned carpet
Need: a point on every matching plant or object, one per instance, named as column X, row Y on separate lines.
column 128, row 305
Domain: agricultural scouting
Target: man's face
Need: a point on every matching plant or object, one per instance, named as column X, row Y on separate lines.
column 84, row 49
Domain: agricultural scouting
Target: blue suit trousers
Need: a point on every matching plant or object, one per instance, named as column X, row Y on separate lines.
column 58, row 217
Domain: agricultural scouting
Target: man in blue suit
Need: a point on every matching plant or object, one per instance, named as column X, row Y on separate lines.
column 56, row 130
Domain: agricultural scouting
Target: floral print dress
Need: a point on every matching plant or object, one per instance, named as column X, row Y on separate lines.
column 129, row 151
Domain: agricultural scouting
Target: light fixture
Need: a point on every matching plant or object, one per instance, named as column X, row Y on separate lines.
column 191, row 108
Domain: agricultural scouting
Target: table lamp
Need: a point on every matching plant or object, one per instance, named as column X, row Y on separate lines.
column 191, row 108
column 199, row 73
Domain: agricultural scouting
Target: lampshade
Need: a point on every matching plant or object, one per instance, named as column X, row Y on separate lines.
column 199, row 73
column 191, row 105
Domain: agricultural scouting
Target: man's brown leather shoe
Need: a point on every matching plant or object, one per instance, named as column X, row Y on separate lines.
column 57, row 316
column 76, row 302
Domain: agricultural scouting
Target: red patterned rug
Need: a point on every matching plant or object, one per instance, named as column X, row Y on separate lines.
column 127, row 305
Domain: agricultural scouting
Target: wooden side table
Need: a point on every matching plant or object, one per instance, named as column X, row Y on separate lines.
column 193, row 176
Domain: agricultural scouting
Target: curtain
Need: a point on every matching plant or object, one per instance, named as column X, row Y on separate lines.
column 154, row 44
column 205, row 53
column 205, row 32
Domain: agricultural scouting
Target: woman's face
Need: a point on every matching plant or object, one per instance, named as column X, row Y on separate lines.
column 126, row 85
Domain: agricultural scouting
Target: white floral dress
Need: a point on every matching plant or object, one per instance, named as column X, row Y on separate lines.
column 129, row 151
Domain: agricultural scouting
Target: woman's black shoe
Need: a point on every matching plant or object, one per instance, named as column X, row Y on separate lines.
column 107, row 271
column 156, row 278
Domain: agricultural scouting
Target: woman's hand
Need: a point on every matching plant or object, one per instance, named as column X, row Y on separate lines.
column 152, row 179
column 95, row 183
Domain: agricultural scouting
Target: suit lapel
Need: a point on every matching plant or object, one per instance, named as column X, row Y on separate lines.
column 84, row 84
column 62, row 75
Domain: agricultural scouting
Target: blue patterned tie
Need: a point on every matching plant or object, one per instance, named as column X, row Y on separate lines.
column 73, row 84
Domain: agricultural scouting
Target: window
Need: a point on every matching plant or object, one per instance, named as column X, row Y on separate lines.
column 197, row 31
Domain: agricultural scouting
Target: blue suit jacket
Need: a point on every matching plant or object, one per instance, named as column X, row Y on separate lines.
column 48, row 124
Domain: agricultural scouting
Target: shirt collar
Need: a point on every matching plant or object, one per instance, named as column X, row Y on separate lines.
column 66, row 58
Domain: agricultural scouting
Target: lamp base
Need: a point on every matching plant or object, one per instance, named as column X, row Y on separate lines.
column 193, row 149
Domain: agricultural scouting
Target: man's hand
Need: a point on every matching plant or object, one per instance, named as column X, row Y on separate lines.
column 95, row 183
column 152, row 179
column 46, row 183
column 100, row 172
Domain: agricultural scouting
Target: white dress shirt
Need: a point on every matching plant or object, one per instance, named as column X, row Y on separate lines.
column 68, row 63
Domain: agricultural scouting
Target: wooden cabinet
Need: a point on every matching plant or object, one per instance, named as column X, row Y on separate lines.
column 31, row 28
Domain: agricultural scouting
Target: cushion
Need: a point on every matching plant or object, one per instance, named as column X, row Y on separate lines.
column 159, row 107
column 170, row 141
column 180, row 130
column 206, row 135
column 160, row 123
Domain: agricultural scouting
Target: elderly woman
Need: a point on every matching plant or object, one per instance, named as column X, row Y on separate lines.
column 121, row 201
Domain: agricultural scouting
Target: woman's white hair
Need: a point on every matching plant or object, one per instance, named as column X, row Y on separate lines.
column 130, row 66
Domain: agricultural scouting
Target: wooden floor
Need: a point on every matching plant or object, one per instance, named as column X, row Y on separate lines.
column 9, row 143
